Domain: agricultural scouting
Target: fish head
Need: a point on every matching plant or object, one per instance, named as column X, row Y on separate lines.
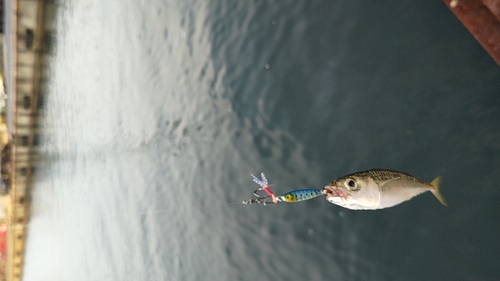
column 353, row 192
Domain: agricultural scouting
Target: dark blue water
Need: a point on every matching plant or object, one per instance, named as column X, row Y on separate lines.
column 156, row 114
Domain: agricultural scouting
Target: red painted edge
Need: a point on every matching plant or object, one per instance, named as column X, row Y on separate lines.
column 482, row 19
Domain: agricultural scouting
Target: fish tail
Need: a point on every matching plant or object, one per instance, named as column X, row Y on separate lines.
column 435, row 183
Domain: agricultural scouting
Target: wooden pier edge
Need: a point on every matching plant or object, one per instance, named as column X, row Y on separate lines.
column 482, row 19
column 28, row 50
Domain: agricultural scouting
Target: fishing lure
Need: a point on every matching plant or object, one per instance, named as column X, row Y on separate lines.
column 264, row 185
column 290, row 197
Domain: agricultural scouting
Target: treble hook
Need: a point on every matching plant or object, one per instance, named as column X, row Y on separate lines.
column 260, row 200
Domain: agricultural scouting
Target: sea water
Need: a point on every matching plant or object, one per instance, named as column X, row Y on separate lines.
column 157, row 113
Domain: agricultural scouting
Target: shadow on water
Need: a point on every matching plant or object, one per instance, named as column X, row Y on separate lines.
column 42, row 158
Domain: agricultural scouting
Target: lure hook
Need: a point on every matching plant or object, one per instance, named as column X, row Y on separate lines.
column 260, row 200
column 256, row 192
column 264, row 185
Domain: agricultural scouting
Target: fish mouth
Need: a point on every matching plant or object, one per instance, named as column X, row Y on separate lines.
column 334, row 193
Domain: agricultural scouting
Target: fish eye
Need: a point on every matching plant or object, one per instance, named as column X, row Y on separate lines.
column 351, row 184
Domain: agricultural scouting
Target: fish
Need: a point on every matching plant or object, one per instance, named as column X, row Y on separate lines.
column 378, row 189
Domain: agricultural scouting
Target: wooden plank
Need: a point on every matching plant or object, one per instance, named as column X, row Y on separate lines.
column 482, row 19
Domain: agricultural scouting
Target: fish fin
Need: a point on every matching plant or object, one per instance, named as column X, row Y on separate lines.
column 435, row 183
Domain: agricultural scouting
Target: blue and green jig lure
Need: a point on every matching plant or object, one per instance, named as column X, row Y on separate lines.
column 290, row 197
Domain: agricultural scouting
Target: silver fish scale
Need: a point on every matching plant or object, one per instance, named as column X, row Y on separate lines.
column 381, row 175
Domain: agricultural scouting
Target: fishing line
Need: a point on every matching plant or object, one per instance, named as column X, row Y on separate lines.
column 103, row 218
column 271, row 198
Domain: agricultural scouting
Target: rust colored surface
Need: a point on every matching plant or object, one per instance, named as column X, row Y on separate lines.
column 482, row 19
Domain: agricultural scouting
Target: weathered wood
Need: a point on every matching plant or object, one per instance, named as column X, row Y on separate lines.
column 482, row 19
